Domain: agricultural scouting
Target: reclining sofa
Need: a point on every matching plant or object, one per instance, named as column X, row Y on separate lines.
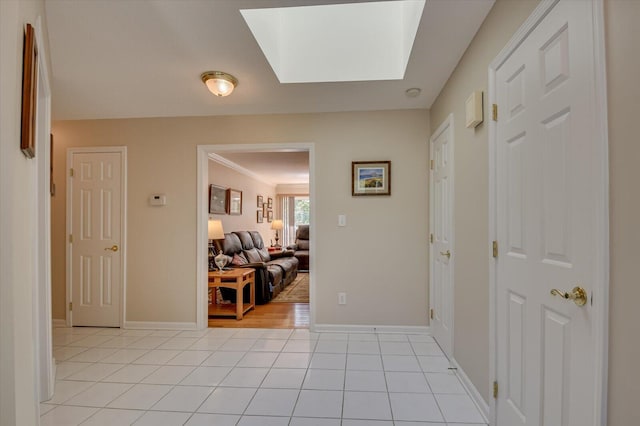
column 274, row 271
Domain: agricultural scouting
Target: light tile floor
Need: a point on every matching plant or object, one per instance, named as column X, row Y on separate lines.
column 253, row 377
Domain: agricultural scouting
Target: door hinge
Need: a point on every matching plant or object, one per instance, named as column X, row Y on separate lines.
column 495, row 390
column 71, row 172
column 431, row 313
column 70, row 238
column 431, row 238
column 494, row 112
column 495, row 248
column 71, row 306
column 432, row 164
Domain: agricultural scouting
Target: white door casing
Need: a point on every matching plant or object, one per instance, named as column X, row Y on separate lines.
column 442, row 232
column 550, row 192
column 96, row 224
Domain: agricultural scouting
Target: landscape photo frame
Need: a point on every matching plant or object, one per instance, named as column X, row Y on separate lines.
column 370, row 178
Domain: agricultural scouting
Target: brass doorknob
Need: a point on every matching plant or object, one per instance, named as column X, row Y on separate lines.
column 578, row 295
column 446, row 253
column 112, row 248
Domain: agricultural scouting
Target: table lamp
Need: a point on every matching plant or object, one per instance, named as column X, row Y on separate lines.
column 277, row 225
column 216, row 233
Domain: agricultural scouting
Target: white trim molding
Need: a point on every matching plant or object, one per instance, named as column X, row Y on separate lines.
column 482, row 405
column 346, row 328
column 59, row 323
column 153, row 325
column 238, row 168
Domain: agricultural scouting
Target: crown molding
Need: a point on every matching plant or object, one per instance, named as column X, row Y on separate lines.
column 230, row 164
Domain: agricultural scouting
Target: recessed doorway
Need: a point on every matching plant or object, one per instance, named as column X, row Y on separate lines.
column 238, row 167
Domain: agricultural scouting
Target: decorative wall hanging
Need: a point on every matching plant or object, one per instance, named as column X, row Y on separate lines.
column 370, row 178
column 217, row 199
column 29, row 93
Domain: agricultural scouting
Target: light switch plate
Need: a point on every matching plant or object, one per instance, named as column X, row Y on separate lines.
column 342, row 220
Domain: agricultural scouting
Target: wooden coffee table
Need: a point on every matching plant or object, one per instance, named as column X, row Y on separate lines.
column 236, row 279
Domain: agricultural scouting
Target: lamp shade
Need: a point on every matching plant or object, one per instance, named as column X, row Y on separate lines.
column 277, row 224
column 219, row 83
column 215, row 230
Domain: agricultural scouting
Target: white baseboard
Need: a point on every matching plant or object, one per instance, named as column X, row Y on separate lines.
column 472, row 391
column 57, row 323
column 344, row 328
column 153, row 325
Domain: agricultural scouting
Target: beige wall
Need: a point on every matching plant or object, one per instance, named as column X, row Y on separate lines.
column 471, row 298
column 623, row 69
column 224, row 176
column 162, row 242
column 17, row 230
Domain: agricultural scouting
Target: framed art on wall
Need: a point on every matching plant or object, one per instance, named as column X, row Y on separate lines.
column 270, row 203
column 370, row 178
column 259, row 216
column 217, row 199
column 269, row 216
column 260, row 201
column 234, row 202
column 29, row 93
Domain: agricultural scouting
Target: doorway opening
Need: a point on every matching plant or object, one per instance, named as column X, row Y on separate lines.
column 244, row 169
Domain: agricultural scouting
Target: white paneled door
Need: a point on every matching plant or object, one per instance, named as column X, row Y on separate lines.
column 546, row 206
column 95, row 221
column 441, row 237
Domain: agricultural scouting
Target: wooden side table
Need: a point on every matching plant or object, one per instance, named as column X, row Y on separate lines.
column 236, row 279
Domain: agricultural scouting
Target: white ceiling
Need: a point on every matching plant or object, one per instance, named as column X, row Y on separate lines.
column 274, row 167
column 337, row 42
column 125, row 59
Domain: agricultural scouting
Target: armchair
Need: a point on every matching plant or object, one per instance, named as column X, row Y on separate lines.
column 301, row 247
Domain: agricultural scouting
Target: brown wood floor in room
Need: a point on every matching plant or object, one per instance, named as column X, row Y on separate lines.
column 271, row 315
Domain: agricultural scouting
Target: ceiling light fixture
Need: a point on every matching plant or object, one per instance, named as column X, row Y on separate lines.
column 219, row 83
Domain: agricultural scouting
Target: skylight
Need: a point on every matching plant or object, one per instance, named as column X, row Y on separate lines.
column 340, row 42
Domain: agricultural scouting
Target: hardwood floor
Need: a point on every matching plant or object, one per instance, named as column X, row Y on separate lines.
column 271, row 315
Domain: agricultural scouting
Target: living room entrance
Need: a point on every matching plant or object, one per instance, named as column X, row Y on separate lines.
column 256, row 206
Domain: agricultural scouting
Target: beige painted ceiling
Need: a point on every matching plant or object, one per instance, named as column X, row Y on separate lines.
column 143, row 58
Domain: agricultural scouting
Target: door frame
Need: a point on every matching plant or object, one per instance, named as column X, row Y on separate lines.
column 122, row 150
column 202, row 206
column 601, row 167
column 44, row 361
column 447, row 125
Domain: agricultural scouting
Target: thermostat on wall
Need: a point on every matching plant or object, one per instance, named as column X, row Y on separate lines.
column 158, row 200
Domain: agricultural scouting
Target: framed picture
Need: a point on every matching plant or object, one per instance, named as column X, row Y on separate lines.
column 370, row 178
column 217, row 199
column 29, row 93
column 260, row 201
column 52, row 186
column 234, row 202
column 270, row 202
column 270, row 216
column 259, row 216
column 265, row 208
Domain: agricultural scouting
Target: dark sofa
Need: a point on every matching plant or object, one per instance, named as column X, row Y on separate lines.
column 301, row 247
column 274, row 271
